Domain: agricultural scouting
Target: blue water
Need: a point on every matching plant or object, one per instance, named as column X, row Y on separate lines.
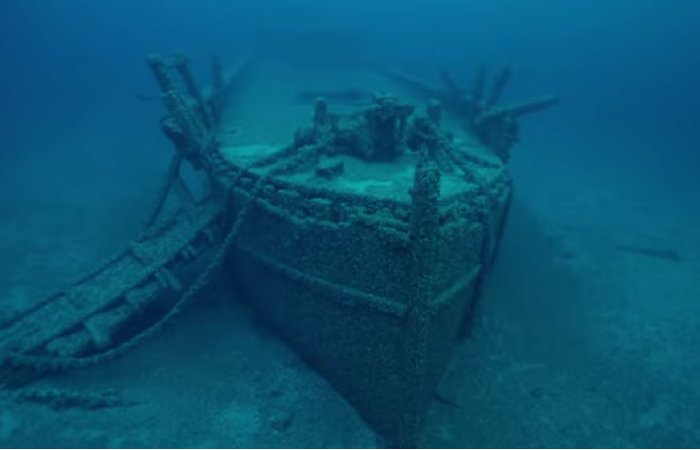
column 582, row 339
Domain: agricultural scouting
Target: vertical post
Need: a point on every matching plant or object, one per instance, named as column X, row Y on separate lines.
column 425, row 221
column 424, row 233
column 182, row 64
column 320, row 112
column 160, row 72
column 190, row 124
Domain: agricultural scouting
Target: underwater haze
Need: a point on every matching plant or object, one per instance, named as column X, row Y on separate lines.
column 588, row 327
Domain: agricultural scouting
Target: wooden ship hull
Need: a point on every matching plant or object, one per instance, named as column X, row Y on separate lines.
column 363, row 237
column 364, row 302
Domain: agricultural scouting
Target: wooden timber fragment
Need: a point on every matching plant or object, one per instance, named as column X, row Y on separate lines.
column 67, row 399
column 103, row 326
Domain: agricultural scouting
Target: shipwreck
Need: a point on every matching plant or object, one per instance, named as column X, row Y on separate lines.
column 357, row 210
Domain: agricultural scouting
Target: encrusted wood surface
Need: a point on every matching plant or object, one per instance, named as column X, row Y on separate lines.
column 370, row 289
column 84, row 319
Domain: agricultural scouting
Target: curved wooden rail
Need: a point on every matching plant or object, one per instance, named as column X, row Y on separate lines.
column 114, row 303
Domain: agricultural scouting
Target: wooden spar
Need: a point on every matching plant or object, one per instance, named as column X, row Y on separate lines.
column 518, row 109
column 419, row 85
column 159, row 68
column 184, row 68
column 495, row 126
column 193, row 114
